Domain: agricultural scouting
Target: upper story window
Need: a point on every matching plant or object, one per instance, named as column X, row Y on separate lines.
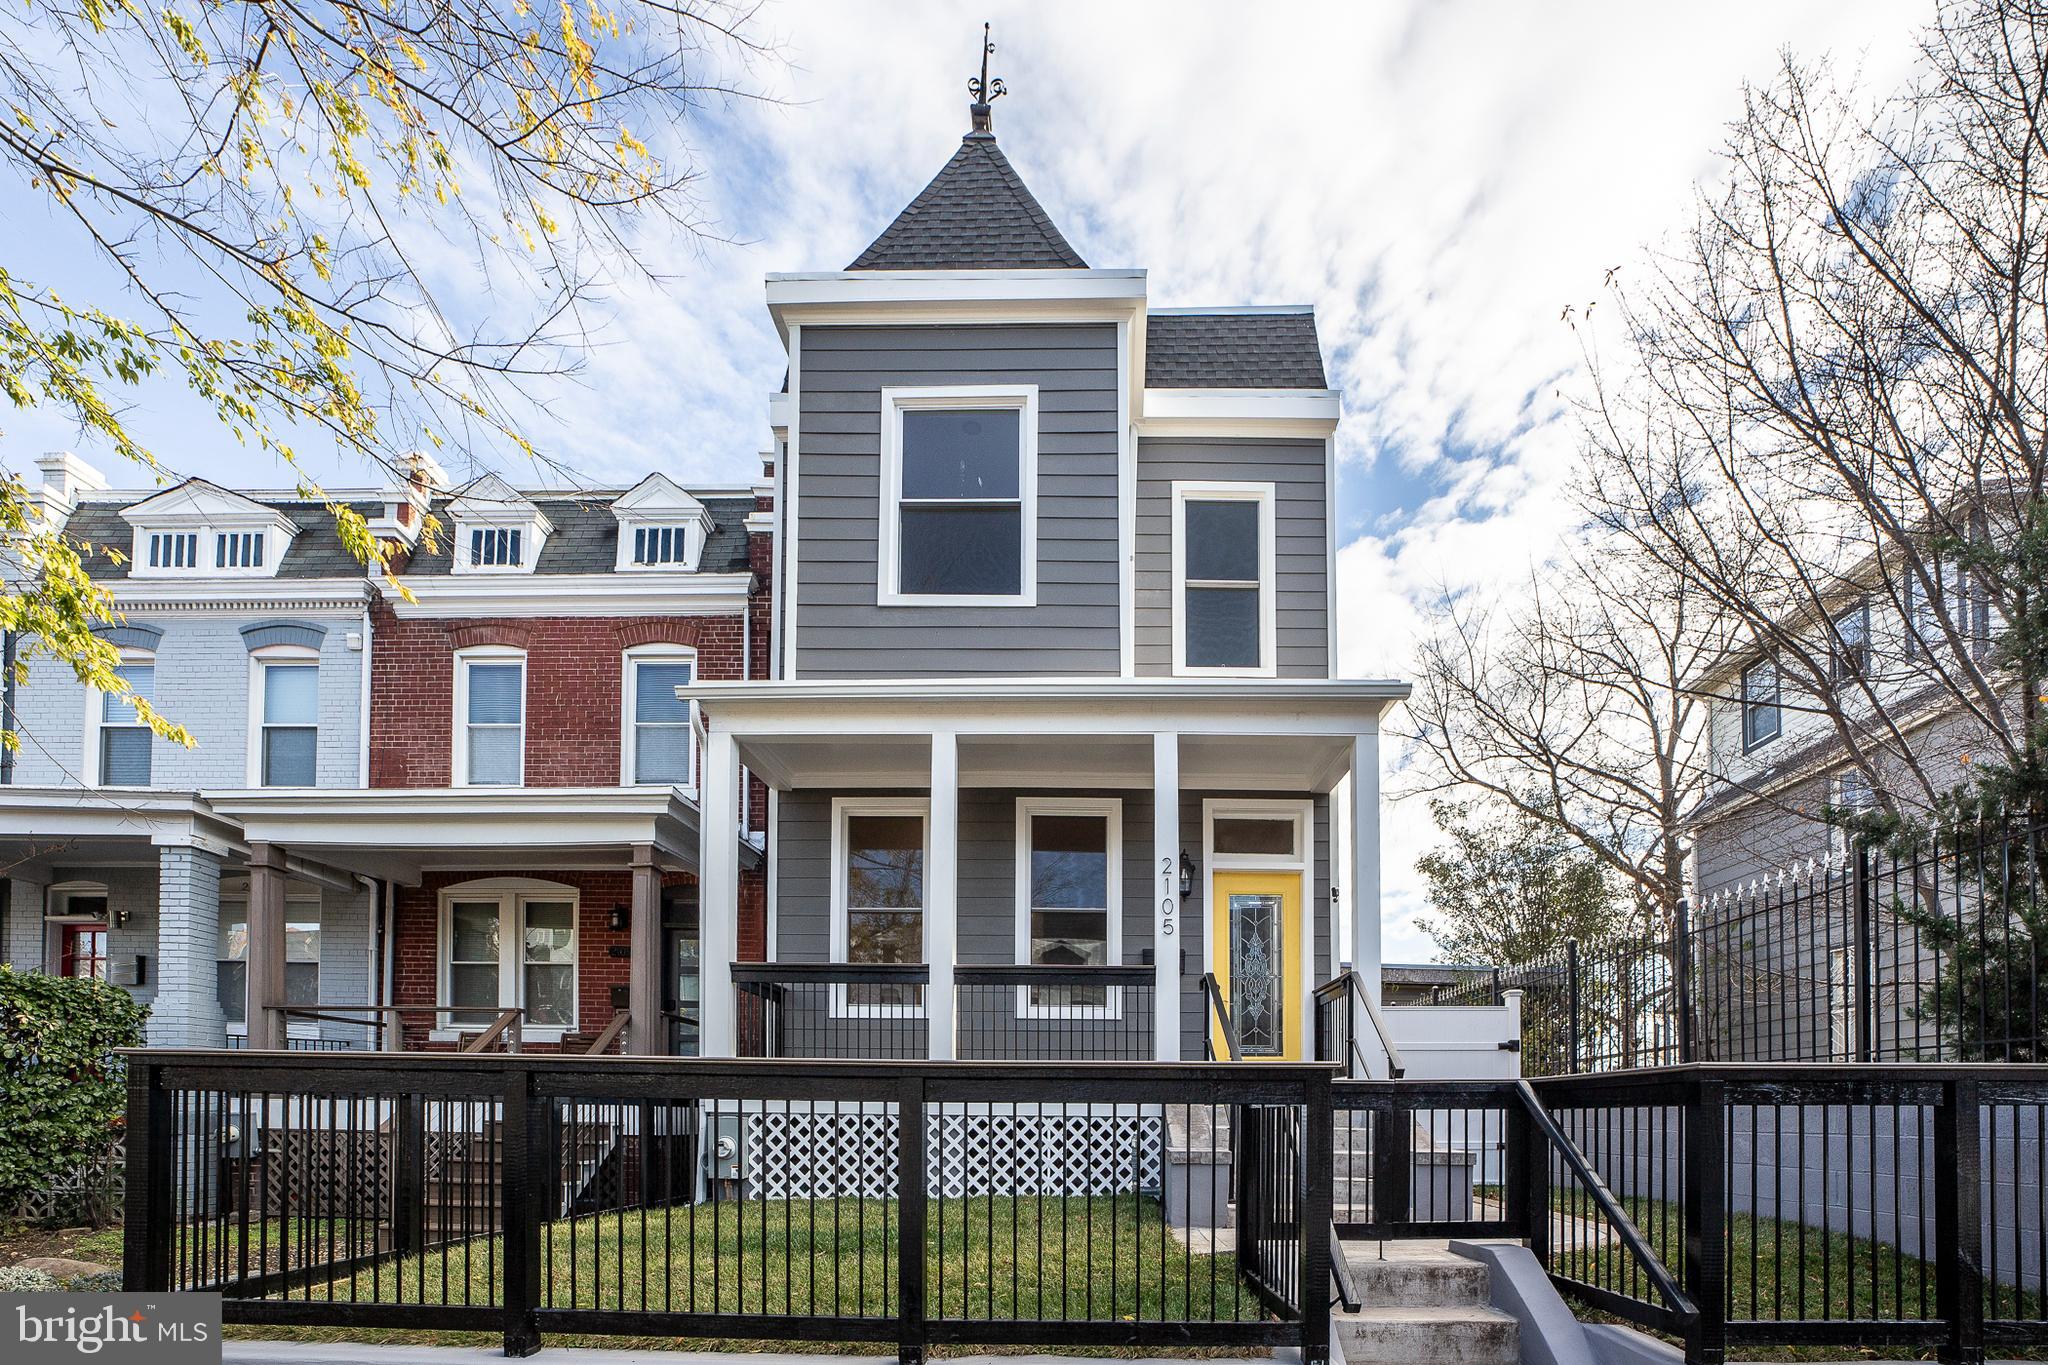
column 1225, row 618
column 1850, row 654
column 174, row 550
column 1966, row 610
column 661, row 526
column 959, row 496
column 287, row 689
column 496, row 547
column 125, row 744
column 878, row 893
column 1067, row 877
column 238, row 550
column 659, row 743
column 1762, row 717
column 490, row 718
column 660, row 544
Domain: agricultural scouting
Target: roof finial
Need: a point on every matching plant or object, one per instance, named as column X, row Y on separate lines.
column 984, row 90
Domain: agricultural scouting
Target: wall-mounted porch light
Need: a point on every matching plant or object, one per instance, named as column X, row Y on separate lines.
column 619, row 919
column 1187, row 875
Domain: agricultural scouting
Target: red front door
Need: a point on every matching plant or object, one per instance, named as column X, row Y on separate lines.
column 84, row 951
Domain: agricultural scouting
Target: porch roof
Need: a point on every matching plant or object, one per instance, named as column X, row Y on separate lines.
column 55, row 815
column 1287, row 734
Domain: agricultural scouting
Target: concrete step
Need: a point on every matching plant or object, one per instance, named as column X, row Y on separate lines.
column 1410, row 1280
column 1464, row 1334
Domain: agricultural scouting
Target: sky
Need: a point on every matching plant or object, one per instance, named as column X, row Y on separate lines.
column 1441, row 180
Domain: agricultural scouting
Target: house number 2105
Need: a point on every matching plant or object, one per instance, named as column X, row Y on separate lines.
column 1169, row 903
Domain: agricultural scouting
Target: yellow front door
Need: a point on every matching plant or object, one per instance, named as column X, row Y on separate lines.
column 1255, row 946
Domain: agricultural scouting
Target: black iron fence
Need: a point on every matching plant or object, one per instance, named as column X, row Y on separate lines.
column 1940, row 954
column 911, row 1203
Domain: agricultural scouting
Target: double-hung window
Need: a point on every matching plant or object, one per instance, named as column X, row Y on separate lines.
column 124, row 741
column 658, row 730
column 1067, row 875
column 959, row 496
column 1225, row 618
column 1761, row 715
column 289, row 743
column 506, row 947
column 879, row 858
column 1849, row 656
column 301, row 950
column 490, row 703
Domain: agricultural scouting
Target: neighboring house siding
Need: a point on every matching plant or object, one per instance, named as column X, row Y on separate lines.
column 574, row 672
column 203, row 684
column 1296, row 469
column 840, row 630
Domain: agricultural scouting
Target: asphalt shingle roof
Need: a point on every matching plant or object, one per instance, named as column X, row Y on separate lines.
column 975, row 215
column 1233, row 351
column 586, row 538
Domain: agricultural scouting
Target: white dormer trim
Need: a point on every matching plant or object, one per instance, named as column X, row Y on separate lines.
column 498, row 529
column 201, row 530
column 659, row 510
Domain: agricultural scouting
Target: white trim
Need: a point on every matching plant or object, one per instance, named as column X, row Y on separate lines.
column 980, row 295
column 644, row 592
column 489, row 503
column 629, row 707
column 215, row 595
column 1205, row 490
column 895, row 402
column 1267, row 413
column 1261, row 310
column 511, row 895
column 658, row 503
column 788, row 547
column 1111, row 809
column 1126, row 510
column 296, row 655
column 842, row 808
column 458, row 771
column 1330, row 617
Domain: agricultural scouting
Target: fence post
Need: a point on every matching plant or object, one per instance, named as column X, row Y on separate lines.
column 408, row 1174
column 1571, row 980
column 522, row 1133
column 1958, row 1222
column 1528, row 1180
column 910, row 1213
column 1706, row 1240
column 1682, row 970
column 1392, row 1138
column 1860, row 884
column 149, row 1217
column 1314, row 1196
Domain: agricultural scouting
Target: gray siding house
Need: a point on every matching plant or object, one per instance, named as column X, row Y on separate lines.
column 1053, row 726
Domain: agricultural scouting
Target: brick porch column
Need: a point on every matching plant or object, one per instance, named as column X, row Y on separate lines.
column 187, row 1009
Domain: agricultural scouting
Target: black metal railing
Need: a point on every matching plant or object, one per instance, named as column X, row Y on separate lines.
column 831, row 1009
column 1339, row 1003
column 915, row 1203
column 1219, row 1031
column 1042, row 1013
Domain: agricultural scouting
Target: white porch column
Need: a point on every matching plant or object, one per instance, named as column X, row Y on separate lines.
column 718, row 881
column 1167, row 929
column 1362, row 889
column 942, row 895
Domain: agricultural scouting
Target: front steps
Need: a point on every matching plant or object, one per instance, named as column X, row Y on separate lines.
column 1422, row 1303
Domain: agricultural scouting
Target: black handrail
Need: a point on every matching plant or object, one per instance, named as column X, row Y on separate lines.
column 1219, row 1012
column 1350, row 982
column 1610, row 1208
column 1044, row 973
column 860, row 973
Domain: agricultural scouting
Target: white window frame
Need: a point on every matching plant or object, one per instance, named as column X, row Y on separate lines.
column 512, row 895
column 1206, row 490
column 843, row 809
column 1743, row 704
column 301, row 655
column 1112, row 810
column 57, row 913
column 629, row 707
column 889, row 564
column 238, row 894
column 95, row 706
column 485, row 654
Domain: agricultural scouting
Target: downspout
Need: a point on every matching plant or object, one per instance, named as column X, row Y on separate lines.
column 374, row 966
column 388, row 932
column 7, row 646
column 363, row 700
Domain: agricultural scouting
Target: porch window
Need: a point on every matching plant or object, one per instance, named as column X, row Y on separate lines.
column 125, row 742
column 880, row 900
column 1068, row 864
column 959, row 474
column 290, row 740
column 1223, row 567
column 505, row 947
column 301, row 951
column 491, row 703
column 659, row 745
column 1761, row 718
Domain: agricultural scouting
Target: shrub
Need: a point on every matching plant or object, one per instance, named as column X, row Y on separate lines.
column 19, row 1279
column 62, row 1093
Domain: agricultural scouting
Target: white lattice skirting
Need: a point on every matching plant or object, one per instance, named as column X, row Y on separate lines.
column 822, row 1154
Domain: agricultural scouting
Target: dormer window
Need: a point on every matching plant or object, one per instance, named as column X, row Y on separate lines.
column 661, row 527
column 174, row 550
column 495, row 548
column 238, row 550
column 497, row 529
